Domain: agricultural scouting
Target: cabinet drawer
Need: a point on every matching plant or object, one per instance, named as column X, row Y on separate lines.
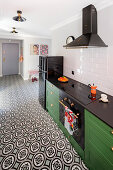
column 51, row 95
column 53, row 109
column 53, row 106
column 52, row 103
column 104, row 130
column 52, row 87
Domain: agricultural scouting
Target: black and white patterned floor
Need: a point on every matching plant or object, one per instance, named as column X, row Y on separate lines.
column 29, row 137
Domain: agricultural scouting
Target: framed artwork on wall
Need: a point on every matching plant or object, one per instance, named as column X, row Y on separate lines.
column 34, row 49
column 44, row 50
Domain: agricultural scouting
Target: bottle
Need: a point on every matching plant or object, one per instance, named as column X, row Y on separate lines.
column 93, row 91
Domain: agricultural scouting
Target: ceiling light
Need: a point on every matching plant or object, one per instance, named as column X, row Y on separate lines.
column 14, row 31
column 19, row 17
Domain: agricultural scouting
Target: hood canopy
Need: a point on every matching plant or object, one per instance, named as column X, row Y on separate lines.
column 89, row 38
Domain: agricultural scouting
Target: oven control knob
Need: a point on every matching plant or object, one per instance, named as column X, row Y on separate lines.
column 65, row 99
column 72, row 104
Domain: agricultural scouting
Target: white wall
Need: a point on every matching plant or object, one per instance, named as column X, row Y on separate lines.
column 32, row 61
column 91, row 65
column 8, row 41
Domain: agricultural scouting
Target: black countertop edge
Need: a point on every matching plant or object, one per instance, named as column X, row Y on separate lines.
column 103, row 111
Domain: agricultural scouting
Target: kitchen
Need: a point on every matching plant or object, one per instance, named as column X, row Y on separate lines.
column 82, row 105
column 75, row 94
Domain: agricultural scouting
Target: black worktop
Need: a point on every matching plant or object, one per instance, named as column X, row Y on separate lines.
column 80, row 91
column 103, row 111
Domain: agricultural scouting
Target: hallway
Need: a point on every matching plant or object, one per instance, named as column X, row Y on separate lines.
column 29, row 137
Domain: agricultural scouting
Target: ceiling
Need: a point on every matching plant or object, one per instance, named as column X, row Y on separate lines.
column 41, row 15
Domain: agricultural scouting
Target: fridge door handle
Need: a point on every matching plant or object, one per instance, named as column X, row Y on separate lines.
column 44, row 71
column 40, row 66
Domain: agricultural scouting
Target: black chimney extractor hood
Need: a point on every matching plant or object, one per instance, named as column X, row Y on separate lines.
column 89, row 38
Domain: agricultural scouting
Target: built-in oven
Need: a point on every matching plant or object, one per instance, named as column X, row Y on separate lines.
column 72, row 117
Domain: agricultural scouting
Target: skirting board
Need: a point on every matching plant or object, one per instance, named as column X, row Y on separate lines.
column 24, row 78
column 20, row 75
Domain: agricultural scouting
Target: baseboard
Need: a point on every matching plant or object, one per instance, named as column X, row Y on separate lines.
column 24, row 78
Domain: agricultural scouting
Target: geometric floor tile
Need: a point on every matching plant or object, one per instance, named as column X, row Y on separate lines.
column 30, row 139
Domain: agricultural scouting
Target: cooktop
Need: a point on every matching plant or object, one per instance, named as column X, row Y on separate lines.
column 77, row 90
column 81, row 92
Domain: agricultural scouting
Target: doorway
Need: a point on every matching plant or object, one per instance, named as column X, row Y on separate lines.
column 10, row 58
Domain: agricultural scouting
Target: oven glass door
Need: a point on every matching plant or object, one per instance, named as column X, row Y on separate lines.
column 69, row 118
column 75, row 126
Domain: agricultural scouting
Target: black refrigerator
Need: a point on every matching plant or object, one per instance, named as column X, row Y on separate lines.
column 48, row 66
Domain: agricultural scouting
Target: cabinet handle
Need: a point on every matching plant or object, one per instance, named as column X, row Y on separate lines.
column 72, row 104
column 51, row 105
column 112, row 148
column 65, row 99
column 112, row 132
column 51, row 92
column 62, row 103
column 3, row 59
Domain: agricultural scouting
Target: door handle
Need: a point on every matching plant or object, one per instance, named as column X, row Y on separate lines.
column 3, row 59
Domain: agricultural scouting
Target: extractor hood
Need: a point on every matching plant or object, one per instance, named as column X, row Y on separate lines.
column 89, row 38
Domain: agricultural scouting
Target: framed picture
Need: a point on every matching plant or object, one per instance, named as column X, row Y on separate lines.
column 34, row 49
column 44, row 50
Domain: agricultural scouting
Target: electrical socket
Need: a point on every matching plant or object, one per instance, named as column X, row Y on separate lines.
column 73, row 72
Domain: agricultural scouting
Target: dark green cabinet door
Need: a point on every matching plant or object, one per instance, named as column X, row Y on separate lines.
column 52, row 88
column 52, row 104
column 98, row 144
column 95, row 160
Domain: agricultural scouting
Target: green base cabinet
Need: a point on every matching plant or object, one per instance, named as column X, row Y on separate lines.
column 98, row 144
column 52, row 101
column 98, row 153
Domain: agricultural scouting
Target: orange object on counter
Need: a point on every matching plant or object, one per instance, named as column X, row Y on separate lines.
column 93, row 90
column 63, row 79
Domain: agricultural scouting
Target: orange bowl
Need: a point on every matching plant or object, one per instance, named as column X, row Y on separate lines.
column 63, row 79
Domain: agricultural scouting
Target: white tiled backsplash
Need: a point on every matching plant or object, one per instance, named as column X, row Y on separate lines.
column 91, row 65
